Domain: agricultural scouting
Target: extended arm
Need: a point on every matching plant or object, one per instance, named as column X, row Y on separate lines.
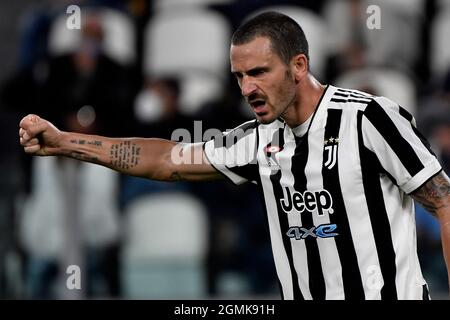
column 435, row 197
column 156, row 159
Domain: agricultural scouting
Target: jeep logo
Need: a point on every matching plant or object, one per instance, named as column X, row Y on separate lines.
column 308, row 200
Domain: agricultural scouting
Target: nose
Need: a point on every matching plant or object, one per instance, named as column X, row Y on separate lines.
column 247, row 86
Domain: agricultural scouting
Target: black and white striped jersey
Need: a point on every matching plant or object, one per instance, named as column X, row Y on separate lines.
column 335, row 188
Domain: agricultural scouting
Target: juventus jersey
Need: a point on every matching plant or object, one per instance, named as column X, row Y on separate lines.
column 335, row 188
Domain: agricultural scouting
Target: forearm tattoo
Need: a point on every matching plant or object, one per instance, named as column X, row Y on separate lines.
column 83, row 157
column 83, row 142
column 125, row 155
column 435, row 194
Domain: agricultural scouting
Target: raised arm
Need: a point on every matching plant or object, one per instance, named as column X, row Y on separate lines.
column 155, row 159
column 435, row 197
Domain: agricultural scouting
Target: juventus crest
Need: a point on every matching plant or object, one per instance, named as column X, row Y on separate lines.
column 330, row 147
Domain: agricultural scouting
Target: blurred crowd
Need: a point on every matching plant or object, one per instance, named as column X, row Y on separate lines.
column 145, row 68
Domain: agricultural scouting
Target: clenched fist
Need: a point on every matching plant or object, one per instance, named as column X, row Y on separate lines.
column 38, row 136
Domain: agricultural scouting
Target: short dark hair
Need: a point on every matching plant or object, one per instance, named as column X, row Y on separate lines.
column 286, row 36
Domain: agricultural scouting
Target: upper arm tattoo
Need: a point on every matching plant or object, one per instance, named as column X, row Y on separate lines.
column 435, row 194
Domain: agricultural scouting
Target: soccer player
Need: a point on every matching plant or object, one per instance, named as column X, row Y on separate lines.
column 338, row 170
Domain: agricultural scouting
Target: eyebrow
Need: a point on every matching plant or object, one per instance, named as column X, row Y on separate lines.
column 252, row 71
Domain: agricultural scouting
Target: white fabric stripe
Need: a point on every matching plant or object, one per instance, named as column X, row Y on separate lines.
column 280, row 256
column 298, row 246
column 354, row 91
column 210, row 153
column 409, row 279
column 351, row 96
column 375, row 142
column 239, row 154
column 420, row 178
column 431, row 164
column 321, row 113
column 355, row 203
column 329, row 256
column 351, row 105
column 362, row 104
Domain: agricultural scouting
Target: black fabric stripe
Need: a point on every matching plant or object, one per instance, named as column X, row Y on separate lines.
column 316, row 278
column 359, row 94
column 378, row 216
column 386, row 127
column 284, row 222
column 249, row 171
column 230, row 139
column 348, row 95
column 425, row 294
column 350, row 100
column 405, row 114
column 351, row 275
column 431, row 177
column 423, row 140
column 263, row 203
column 284, row 226
column 341, row 94
column 266, row 219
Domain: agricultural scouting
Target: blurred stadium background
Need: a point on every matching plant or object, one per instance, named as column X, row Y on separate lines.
column 145, row 68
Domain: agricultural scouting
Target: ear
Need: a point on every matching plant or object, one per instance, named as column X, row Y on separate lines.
column 299, row 65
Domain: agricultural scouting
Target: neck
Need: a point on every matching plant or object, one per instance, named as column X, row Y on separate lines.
column 308, row 96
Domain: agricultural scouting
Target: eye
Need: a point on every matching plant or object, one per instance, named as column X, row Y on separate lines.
column 238, row 76
column 257, row 72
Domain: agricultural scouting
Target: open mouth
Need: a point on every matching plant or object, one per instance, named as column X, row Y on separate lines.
column 258, row 106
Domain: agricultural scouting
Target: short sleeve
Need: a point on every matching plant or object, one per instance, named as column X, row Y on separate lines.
column 233, row 153
column 390, row 132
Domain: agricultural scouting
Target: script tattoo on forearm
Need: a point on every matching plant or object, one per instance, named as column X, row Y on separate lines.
column 435, row 194
column 83, row 142
column 83, row 157
column 125, row 155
